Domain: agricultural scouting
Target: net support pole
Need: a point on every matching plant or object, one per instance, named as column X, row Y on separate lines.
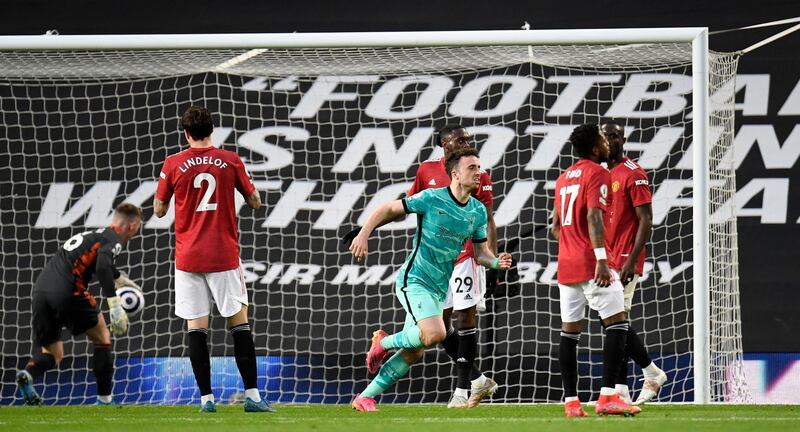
column 700, row 196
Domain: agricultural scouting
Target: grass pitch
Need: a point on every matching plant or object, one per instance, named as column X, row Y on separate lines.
column 401, row 418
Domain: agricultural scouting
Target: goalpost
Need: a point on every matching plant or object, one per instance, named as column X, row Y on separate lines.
column 330, row 125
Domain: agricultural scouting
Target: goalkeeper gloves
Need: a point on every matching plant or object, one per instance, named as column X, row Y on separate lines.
column 347, row 239
column 119, row 319
column 123, row 281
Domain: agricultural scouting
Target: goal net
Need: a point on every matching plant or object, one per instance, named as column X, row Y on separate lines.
column 328, row 134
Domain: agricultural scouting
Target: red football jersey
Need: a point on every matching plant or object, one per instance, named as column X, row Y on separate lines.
column 432, row 174
column 203, row 182
column 629, row 189
column 581, row 187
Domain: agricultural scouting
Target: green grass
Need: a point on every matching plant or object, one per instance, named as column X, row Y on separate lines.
column 405, row 418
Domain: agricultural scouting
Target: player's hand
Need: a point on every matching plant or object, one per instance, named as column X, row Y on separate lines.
column 602, row 274
column 504, row 261
column 123, row 281
column 347, row 239
column 119, row 319
column 359, row 247
column 627, row 272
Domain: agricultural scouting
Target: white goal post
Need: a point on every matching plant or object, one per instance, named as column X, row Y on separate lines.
column 58, row 61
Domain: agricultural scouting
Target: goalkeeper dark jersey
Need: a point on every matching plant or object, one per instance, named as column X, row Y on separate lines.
column 79, row 259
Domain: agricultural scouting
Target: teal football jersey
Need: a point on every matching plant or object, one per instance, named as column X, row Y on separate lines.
column 443, row 225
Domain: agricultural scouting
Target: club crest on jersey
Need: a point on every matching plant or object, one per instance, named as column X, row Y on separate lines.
column 615, row 186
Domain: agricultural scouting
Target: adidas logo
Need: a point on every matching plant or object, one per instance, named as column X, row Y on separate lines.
column 461, row 360
column 467, row 297
column 432, row 182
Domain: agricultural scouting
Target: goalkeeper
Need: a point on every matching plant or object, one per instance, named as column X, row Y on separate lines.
column 447, row 218
column 61, row 299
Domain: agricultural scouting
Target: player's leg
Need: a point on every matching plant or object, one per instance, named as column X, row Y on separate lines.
column 466, row 303
column 572, row 303
column 467, row 335
column 192, row 304
column 37, row 365
column 390, row 372
column 622, row 376
column 82, row 315
column 419, row 305
column 465, row 290
column 621, row 381
column 610, row 305
column 102, row 360
column 46, row 333
column 654, row 377
column 450, row 342
column 432, row 331
column 423, row 328
column 230, row 295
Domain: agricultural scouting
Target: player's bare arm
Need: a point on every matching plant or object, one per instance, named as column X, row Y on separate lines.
column 645, row 215
column 160, row 207
column 491, row 230
column 602, row 274
column 487, row 258
column 254, row 200
column 555, row 228
column 383, row 214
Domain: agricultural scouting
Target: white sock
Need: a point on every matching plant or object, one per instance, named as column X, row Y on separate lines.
column 570, row 399
column 479, row 381
column 461, row 392
column 104, row 399
column 253, row 394
column 651, row 371
column 621, row 389
column 607, row 391
column 206, row 398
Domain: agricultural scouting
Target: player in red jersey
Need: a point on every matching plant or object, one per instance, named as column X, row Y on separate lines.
column 629, row 228
column 584, row 277
column 203, row 179
column 468, row 281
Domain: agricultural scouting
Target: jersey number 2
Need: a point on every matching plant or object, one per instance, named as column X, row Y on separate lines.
column 205, row 205
column 572, row 191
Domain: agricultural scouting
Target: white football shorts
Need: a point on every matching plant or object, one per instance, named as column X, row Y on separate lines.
column 628, row 292
column 467, row 285
column 574, row 298
column 226, row 288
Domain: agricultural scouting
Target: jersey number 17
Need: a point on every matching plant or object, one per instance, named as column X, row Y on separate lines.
column 572, row 192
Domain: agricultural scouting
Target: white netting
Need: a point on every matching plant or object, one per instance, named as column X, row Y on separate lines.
column 328, row 134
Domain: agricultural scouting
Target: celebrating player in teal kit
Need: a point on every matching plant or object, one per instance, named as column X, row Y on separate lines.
column 446, row 218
